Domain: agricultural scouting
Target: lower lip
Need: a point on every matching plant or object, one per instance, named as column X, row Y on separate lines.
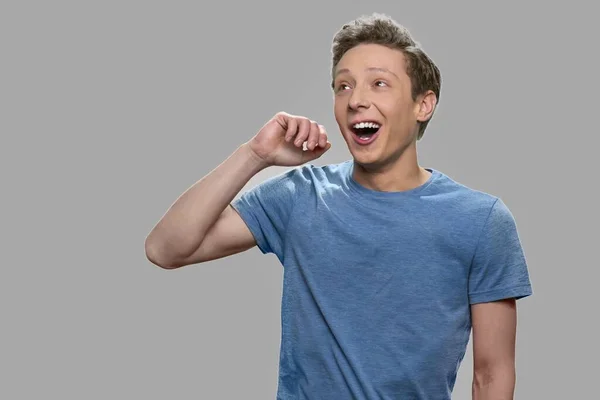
column 365, row 142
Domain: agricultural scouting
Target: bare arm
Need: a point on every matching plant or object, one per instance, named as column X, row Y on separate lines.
column 201, row 216
column 201, row 225
column 494, row 336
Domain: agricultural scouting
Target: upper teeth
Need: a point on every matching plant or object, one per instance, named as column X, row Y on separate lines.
column 366, row 125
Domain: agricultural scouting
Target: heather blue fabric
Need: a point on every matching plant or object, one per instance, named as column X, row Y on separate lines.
column 377, row 285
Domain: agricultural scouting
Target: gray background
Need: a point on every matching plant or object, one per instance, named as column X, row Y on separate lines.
column 110, row 110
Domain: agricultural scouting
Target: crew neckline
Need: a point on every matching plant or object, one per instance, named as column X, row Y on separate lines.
column 363, row 190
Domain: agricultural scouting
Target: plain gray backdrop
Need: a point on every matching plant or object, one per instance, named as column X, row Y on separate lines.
column 111, row 109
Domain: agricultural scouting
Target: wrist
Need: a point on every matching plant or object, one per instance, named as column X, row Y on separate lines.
column 254, row 161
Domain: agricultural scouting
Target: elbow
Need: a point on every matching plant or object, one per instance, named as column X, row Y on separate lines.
column 494, row 379
column 156, row 257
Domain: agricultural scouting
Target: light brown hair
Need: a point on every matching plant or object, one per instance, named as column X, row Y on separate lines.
column 383, row 30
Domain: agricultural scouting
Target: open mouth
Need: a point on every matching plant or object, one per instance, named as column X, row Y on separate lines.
column 365, row 132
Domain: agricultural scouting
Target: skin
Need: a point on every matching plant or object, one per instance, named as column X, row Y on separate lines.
column 382, row 94
column 201, row 225
column 494, row 336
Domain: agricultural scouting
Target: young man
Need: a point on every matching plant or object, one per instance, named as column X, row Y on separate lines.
column 387, row 265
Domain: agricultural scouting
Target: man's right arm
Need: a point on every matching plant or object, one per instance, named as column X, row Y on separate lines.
column 201, row 225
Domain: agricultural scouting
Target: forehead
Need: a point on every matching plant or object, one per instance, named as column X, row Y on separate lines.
column 369, row 57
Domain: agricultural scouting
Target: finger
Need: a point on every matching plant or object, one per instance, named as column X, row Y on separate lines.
column 311, row 155
column 322, row 136
column 292, row 129
column 303, row 131
column 313, row 137
column 322, row 140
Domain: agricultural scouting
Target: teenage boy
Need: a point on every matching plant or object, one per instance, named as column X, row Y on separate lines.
column 387, row 265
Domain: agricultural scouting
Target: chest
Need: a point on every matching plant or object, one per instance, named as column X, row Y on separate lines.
column 419, row 252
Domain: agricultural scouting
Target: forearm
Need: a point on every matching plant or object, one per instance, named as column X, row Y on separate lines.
column 496, row 383
column 183, row 227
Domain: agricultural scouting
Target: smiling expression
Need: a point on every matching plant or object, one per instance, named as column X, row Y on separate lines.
column 371, row 85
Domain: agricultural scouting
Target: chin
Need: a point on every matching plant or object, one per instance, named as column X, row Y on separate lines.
column 367, row 156
column 367, row 159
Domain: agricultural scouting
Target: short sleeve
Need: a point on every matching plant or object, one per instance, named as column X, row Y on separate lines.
column 499, row 268
column 266, row 210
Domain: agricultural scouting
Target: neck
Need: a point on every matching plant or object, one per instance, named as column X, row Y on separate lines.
column 404, row 173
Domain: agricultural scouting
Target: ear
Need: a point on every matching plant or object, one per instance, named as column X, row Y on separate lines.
column 426, row 106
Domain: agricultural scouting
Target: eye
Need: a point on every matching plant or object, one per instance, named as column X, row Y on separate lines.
column 341, row 86
column 382, row 82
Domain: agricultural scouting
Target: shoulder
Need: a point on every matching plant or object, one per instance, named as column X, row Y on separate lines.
column 293, row 183
column 311, row 175
column 473, row 203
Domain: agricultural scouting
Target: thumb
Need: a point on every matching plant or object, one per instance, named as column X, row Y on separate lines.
column 310, row 155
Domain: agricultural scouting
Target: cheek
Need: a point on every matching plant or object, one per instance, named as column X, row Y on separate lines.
column 339, row 109
column 398, row 112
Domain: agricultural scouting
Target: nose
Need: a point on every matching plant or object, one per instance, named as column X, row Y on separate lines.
column 358, row 99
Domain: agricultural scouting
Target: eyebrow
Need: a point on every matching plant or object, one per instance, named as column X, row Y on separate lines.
column 378, row 69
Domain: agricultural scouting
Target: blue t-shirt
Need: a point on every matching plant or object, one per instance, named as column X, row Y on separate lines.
column 377, row 285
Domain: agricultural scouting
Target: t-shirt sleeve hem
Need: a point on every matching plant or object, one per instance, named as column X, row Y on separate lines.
column 252, row 223
column 517, row 292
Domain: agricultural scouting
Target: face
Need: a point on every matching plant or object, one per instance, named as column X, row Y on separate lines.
column 371, row 86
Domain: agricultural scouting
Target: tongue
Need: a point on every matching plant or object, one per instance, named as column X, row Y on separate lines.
column 365, row 138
